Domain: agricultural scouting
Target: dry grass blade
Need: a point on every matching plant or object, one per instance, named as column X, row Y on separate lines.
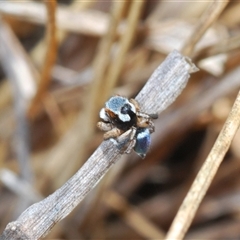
column 13, row 59
column 132, row 216
column 102, row 61
column 19, row 186
column 38, row 52
column 206, row 20
column 165, row 84
column 88, row 22
column 205, row 176
column 49, row 60
column 225, row 46
column 124, row 45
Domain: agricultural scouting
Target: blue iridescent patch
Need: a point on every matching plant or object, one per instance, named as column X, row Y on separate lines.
column 143, row 141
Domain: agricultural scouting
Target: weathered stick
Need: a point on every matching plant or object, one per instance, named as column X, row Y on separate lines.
column 163, row 87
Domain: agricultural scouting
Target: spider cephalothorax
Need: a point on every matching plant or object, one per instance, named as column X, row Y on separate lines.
column 124, row 122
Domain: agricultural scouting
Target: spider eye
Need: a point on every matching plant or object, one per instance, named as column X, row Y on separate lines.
column 126, row 109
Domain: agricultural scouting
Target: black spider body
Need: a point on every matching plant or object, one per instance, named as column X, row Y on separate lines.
column 121, row 115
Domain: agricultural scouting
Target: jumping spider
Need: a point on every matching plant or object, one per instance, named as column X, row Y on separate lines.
column 127, row 125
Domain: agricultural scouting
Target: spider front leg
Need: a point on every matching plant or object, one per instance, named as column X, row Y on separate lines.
column 135, row 103
column 111, row 132
column 104, row 126
column 148, row 116
column 142, row 114
column 144, row 121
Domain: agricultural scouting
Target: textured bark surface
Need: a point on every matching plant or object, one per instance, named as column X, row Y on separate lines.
column 163, row 87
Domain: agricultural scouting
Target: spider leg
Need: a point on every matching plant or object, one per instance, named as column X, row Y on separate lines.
column 153, row 115
column 142, row 114
column 135, row 103
column 113, row 133
column 130, row 146
column 104, row 126
column 145, row 121
column 151, row 127
column 127, row 141
column 146, row 115
column 132, row 140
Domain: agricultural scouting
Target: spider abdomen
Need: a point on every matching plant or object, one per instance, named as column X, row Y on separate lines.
column 143, row 141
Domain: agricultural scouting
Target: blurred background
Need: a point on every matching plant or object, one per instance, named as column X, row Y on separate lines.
column 61, row 60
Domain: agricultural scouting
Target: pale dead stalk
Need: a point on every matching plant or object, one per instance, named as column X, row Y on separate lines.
column 205, row 176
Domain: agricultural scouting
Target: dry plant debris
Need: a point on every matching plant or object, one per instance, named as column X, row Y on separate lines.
column 68, row 57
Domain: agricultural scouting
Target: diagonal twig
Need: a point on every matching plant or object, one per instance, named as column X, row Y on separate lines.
column 163, row 87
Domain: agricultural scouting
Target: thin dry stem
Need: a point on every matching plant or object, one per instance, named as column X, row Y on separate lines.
column 14, row 59
column 49, row 60
column 132, row 216
column 19, row 186
column 206, row 20
column 38, row 52
column 205, row 176
column 225, row 46
column 54, row 113
column 102, row 61
column 89, row 22
column 124, row 44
